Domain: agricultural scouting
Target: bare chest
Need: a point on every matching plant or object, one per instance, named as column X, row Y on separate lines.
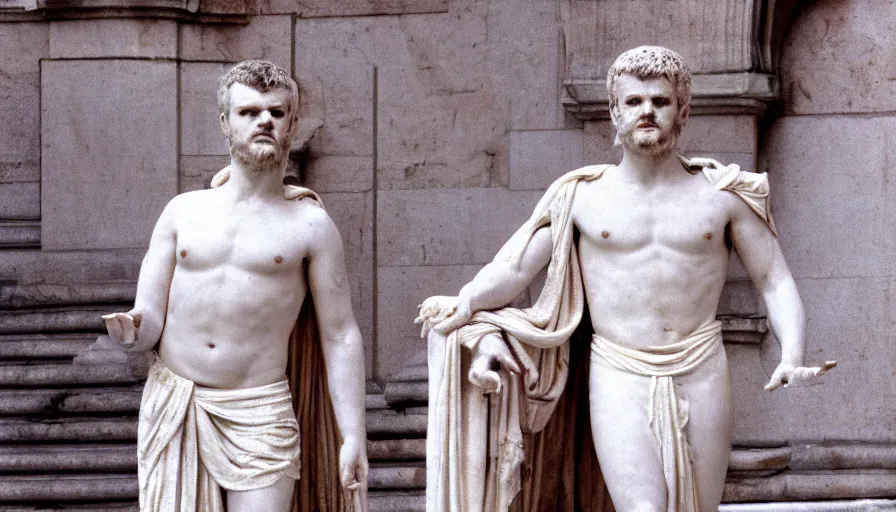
column 615, row 220
column 258, row 242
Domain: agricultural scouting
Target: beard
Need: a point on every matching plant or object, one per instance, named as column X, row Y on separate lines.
column 654, row 143
column 257, row 156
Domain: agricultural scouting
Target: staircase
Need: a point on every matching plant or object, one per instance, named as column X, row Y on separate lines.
column 68, row 425
column 68, row 431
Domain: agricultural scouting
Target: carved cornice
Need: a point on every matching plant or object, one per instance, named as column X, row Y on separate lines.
column 717, row 93
column 229, row 11
column 731, row 46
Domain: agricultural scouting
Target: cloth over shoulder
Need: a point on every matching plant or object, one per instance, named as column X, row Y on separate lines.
column 751, row 187
column 290, row 192
column 468, row 439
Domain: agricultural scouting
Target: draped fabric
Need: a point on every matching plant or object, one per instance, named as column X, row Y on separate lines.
column 194, row 440
column 668, row 408
column 477, row 445
column 319, row 489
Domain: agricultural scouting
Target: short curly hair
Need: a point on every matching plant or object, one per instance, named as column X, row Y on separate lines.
column 261, row 75
column 646, row 62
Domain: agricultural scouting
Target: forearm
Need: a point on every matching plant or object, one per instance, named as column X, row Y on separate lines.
column 149, row 327
column 344, row 358
column 495, row 286
column 788, row 320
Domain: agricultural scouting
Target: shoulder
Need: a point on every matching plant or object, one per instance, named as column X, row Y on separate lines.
column 190, row 199
column 748, row 192
column 182, row 204
column 578, row 181
column 312, row 223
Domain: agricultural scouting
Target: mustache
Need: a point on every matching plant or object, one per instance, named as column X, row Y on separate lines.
column 647, row 120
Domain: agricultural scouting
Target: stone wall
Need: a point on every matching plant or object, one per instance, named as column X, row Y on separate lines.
column 830, row 155
column 440, row 124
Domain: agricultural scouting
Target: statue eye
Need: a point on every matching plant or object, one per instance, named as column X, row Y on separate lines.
column 632, row 102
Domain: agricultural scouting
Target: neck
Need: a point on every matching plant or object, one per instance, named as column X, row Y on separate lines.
column 650, row 169
column 248, row 183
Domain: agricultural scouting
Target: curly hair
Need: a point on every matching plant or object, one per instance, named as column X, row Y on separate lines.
column 646, row 62
column 261, row 75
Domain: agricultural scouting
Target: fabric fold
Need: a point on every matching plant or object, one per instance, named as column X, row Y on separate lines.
column 193, row 440
column 668, row 408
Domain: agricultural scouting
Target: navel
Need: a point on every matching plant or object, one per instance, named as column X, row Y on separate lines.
column 605, row 234
column 707, row 235
column 183, row 253
column 278, row 259
column 211, row 345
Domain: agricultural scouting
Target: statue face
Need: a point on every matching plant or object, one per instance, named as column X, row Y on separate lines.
column 257, row 125
column 647, row 115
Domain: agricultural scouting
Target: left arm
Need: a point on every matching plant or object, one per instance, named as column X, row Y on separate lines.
column 342, row 347
column 761, row 255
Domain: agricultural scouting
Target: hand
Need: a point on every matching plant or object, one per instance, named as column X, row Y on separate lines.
column 122, row 327
column 353, row 472
column 444, row 314
column 491, row 354
column 787, row 375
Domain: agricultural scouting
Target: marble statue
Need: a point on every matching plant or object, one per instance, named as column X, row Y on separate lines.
column 226, row 275
column 646, row 243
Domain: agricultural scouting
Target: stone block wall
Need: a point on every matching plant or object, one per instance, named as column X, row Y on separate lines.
column 440, row 124
column 830, row 155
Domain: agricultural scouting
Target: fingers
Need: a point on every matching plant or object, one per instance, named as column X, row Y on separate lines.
column 113, row 326
column 774, row 384
column 450, row 324
column 359, row 498
column 122, row 327
column 779, row 378
column 488, row 380
column 509, row 363
column 483, row 376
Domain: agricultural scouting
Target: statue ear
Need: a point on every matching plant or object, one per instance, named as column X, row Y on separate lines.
column 614, row 116
column 684, row 113
column 225, row 124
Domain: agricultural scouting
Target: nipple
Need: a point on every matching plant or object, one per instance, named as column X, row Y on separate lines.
column 278, row 259
column 183, row 254
column 605, row 234
column 707, row 235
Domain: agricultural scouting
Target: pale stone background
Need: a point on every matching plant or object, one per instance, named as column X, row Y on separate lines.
column 442, row 123
column 107, row 119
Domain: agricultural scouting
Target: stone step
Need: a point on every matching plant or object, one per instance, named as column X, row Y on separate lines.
column 396, row 449
column 814, row 506
column 68, row 487
column 42, row 346
column 396, row 501
column 27, row 458
column 82, row 429
column 118, row 506
column 69, row 401
column 812, row 485
column 388, row 423
column 52, row 320
column 408, row 476
column 41, row 375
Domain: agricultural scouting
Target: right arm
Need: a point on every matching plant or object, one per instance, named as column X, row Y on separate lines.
column 153, row 285
column 495, row 286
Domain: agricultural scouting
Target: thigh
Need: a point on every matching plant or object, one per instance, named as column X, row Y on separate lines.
column 708, row 392
column 626, row 448
column 275, row 498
